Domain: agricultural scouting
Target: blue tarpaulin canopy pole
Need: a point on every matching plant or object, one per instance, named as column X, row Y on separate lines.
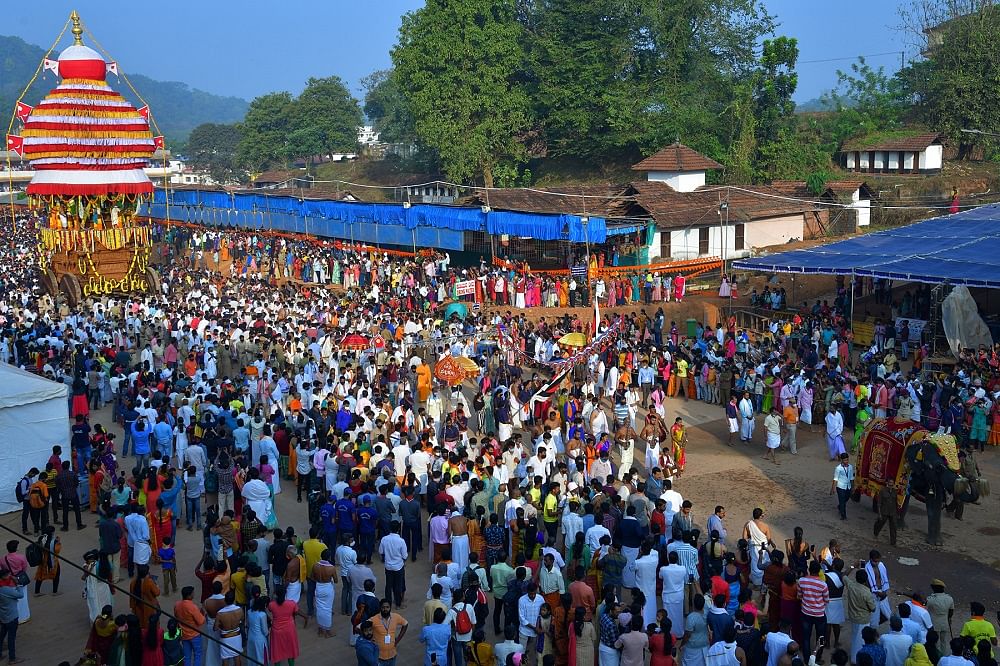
column 963, row 248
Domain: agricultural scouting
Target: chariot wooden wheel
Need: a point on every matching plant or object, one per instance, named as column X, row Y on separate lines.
column 50, row 282
column 153, row 280
column 70, row 286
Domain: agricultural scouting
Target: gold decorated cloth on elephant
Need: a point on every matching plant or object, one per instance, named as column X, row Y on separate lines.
column 881, row 455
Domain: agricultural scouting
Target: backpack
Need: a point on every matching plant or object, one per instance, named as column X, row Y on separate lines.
column 469, row 577
column 36, row 499
column 107, row 484
column 33, row 553
column 19, row 490
column 463, row 623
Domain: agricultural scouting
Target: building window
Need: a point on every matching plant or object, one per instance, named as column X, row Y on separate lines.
column 740, row 237
column 665, row 244
column 703, row 240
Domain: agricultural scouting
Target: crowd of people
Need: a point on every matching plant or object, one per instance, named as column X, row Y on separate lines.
column 559, row 506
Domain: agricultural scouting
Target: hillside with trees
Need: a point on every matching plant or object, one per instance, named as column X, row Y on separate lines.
column 177, row 108
column 504, row 94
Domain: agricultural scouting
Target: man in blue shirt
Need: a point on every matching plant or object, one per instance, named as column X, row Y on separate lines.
column 345, row 517
column 164, row 436
column 367, row 522
column 365, row 648
column 328, row 522
column 129, row 417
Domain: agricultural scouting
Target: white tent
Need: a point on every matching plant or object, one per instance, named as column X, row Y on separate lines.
column 34, row 417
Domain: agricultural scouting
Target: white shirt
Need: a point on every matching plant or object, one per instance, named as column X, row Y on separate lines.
column 674, row 577
column 593, row 536
column 527, row 613
column 775, row 645
column 674, row 501
column 393, row 550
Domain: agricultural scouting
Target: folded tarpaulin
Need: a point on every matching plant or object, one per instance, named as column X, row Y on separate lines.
column 963, row 248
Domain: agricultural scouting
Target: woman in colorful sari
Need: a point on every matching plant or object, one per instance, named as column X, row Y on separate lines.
column 477, row 543
column 161, row 525
column 679, row 439
column 102, row 635
column 861, row 420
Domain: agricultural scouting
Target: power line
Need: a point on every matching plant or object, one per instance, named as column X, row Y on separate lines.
column 854, row 57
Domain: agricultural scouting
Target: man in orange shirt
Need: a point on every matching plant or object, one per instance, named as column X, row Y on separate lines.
column 790, row 415
column 191, row 619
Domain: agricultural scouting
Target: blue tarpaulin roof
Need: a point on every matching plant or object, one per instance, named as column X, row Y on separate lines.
column 963, row 248
column 337, row 218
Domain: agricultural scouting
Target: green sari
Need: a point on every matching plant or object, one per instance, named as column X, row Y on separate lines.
column 864, row 416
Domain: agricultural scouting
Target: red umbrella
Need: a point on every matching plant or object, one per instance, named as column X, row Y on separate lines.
column 354, row 341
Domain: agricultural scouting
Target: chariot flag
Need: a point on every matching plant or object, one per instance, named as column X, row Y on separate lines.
column 22, row 111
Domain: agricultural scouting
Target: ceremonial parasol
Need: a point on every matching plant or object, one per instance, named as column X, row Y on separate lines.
column 575, row 339
column 470, row 366
column 355, row 341
column 450, row 371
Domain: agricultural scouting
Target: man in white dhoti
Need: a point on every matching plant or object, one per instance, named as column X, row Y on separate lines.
column 458, row 527
column 257, row 495
column 228, row 627
column 645, row 580
column 674, row 577
column 758, row 535
column 878, row 581
column 746, row 417
column 835, row 431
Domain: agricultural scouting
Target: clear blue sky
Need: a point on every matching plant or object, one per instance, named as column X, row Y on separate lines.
column 251, row 47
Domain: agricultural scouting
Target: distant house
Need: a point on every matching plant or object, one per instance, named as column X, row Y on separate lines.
column 908, row 154
column 680, row 167
column 420, row 190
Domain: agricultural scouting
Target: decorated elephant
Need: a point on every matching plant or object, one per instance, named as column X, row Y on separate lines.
column 924, row 465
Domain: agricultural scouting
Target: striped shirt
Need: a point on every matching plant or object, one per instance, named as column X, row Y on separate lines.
column 815, row 596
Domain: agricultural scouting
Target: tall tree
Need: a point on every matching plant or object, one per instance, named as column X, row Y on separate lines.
column 327, row 106
column 955, row 87
column 582, row 52
column 774, row 84
column 387, row 108
column 265, row 129
column 459, row 63
column 213, row 147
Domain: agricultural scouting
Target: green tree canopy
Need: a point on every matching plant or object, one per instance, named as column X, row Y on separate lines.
column 386, row 106
column 955, row 88
column 329, row 108
column 213, row 147
column 459, row 63
column 265, row 131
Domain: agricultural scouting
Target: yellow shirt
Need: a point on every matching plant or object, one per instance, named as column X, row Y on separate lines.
column 238, row 584
column 551, row 513
column 682, row 368
column 312, row 549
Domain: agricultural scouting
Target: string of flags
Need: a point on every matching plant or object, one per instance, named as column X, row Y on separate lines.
column 598, row 345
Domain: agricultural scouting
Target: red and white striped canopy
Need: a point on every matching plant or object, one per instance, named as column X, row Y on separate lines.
column 84, row 138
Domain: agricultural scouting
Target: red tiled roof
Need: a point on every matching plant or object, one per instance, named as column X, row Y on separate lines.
column 589, row 199
column 915, row 142
column 281, row 175
column 677, row 210
column 799, row 188
column 676, row 157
